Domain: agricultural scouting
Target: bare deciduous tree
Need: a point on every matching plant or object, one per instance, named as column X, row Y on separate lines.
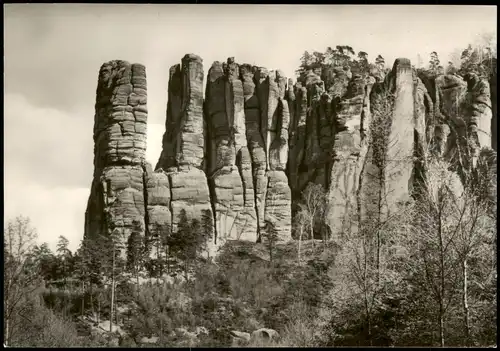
column 314, row 206
column 19, row 280
column 301, row 225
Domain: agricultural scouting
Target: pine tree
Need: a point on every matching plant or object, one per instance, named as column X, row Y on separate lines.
column 271, row 236
column 136, row 254
column 187, row 242
column 65, row 257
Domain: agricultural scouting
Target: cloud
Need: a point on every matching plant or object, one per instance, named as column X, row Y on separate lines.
column 47, row 145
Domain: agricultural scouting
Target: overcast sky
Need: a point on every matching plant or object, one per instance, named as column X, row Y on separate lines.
column 53, row 53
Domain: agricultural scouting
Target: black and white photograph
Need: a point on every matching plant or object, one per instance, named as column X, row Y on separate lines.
column 250, row 175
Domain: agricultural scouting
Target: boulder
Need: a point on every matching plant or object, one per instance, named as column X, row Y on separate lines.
column 239, row 339
column 264, row 335
column 149, row 340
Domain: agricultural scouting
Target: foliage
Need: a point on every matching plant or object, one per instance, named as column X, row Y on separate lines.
column 342, row 58
column 188, row 241
column 313, row 208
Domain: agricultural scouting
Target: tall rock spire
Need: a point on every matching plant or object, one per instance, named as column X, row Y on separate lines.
column 116, row 203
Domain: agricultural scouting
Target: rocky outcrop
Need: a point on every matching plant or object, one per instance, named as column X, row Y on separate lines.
column 229, row 166
column 116, row 205
column 267, row 121
column 478, row 125
column 183, row 154
column 348, row 154
column 463, row 122
column 157, row 195
column 363, row 139
column 399, row 147
column 264, row 335
column 243, row 153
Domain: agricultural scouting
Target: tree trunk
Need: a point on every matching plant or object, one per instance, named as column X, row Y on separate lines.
column 368, row 319
column 365, row 292
column 441, row 325
column 137, row 281
column 7, row 322
column 442, row 280
column 83, row 298
column 466, row 304
column 92, row 299
column 161, row 329
column 111, row 308
column 311, row 224
column 159, row 264
column 300, row 243
column 98, row 309
column 116, row 315
column 378, row 256
column 167, row 259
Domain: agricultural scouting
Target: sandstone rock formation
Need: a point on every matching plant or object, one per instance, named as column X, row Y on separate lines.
column 229, row 166
column 183, row 152
column 365, row 140
column 462, row 118
column 116, row 204
column 243, row 154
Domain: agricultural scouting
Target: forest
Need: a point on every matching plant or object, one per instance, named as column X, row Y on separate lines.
column 425, row 276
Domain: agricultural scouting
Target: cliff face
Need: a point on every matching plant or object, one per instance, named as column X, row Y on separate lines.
column 243, row 154
column 183, row 154
column 116, row 204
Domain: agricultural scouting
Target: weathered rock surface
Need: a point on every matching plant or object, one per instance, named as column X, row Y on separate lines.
column 239, row 338
column 347, row 158
column 464, row 120
column 264, row 335
column 183, row 153
column 116, row 203
column 246, row 151
column 159, row 216
column 400, row 147
column 229, row 162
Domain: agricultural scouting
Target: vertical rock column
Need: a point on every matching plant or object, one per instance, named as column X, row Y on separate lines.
column 297, row 102
column 116, row 203
column 393, row 143
column 423, row 106
column 182, row 157
column 311, row 165
column 480, row 115
column 352, row 111
column 229, row 164
column 450, row 111
column 465, row 107
column 400, row 147
column 255, row 140
column 267, row 120
column 278, row 208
